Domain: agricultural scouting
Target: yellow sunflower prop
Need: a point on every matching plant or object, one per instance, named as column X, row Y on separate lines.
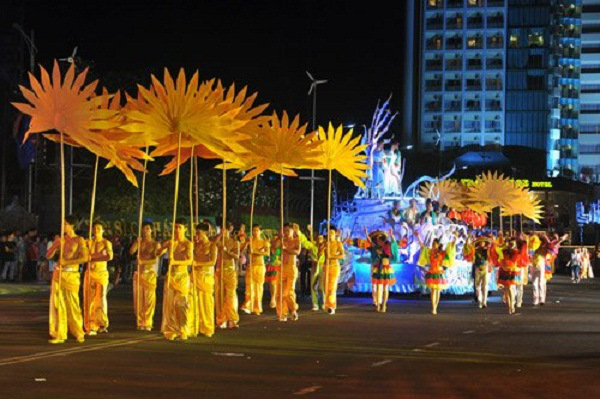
column 446, row 192
column 492, row 190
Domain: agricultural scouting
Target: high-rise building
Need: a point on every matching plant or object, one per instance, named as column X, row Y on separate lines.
column 589, row 117
column 513, row 72
column 462, row 72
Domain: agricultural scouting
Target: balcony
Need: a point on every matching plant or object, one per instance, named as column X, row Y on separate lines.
column 433, row 106
column 494, row 63
column 453, row 85
column 475, row 63
column 473, row 105
column 473, row 85
column 454, row 42
column 569, row 114
column 590, row 108
column 454, row 64
column 454, row 3
column 493, row 127
column 474, row 3
column 452, row 126
column 590, row 129
column 495, row 3
column 495, row 21
column 454, row 23
column 433, row 65
column 435, row 23
column 495, row 42
column 589, row 149
column 474, row 43
column 433, row 85
column 493, row 84
column 475, row 22
column 472, row 127
column 432, row 127
column 568, row 133
column 452, row 106
column 493, row 105
column 434, row 43
column 570, row 93
column 434, row 4
column 589, row 88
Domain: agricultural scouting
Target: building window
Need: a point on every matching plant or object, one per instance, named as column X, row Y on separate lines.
column 514, row 40
column 474, row 3
column 536, row 40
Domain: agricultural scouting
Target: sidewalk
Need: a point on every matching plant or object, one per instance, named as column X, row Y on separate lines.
column 22, row 288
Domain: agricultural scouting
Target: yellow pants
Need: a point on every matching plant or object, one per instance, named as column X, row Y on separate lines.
column 95, row 288
column 248, row 283
column 258, row 284
column 144, row 310
column 64, row 306
column 332, row 276
column 176, row 304
column 288, row 285
column 203, row 309
column 228, row 309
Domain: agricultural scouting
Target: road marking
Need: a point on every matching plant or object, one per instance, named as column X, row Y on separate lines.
column 311, row 389
column 381, row 363
column 431, row 345
column 228, row 354
column 469, row 332
column 69, row 351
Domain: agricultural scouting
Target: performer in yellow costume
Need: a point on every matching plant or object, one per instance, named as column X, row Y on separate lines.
column 176, row 302
column 147, row 259
column 332, row 269
column 205, row 257
column 95, row 283
column 64, row 294
column 226, row 284
column 287, row 305
column 257, row 250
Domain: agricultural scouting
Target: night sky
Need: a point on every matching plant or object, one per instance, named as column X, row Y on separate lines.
column 266, row 45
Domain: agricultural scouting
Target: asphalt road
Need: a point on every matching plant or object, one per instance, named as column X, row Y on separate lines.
column 463, row 352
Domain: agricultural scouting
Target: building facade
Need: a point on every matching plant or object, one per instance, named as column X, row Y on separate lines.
column 513, row 72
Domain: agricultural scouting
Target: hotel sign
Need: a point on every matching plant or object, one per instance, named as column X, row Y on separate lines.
column 533, row 184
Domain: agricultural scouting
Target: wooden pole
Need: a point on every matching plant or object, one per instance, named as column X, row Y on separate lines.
column 194, row 308
column 249, row 268
column 139, row 249
column 196, row 208
column 223, row 227
column 172, row 244
column 86, row 293
column 327, row 254
column 62, row 215
column 281, row 233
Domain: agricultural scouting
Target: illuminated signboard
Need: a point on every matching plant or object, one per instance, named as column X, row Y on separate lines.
column 518, row 182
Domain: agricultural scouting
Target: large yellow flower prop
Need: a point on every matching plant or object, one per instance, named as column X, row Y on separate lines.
column 281, row 145
column 68, row 107
column 492, row 190
column 446, row 192
column 527, row 204
column 343, row 153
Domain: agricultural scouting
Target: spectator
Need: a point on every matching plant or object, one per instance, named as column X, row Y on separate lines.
column 32, row 255
column 9, row 270
column 2, row 250
column 575, row 264
column 20, row 255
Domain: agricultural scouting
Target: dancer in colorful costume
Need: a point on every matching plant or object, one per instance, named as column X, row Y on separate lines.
column 483, row 269
column 226, row 289
column 333, row 253
column 382, row 275
column 95, row 285
column 64, row 293
column 317, row 250
column 147, row 259
column 205, row 257
column 273, row 270
column 176, row 301
column 437, row 259
column 512, row 256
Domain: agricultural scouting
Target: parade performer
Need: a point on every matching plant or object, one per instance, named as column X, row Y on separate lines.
column 511, row 259
column 412, row 213
column 533, row 243
column 483, row 269
column 149, row 251
column 377, row 172
column 333, row 254
column 259, row 249
column 64, row 293
column 95, row 285
column 205, row 257
column 176, row 302
column 437, row 259
column 226, row 281
column 242, row 237
column 273, row 269
column 287, row 306
column 317, row 251
column 383, row 274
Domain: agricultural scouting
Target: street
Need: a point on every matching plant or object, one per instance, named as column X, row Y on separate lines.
column 550, row 351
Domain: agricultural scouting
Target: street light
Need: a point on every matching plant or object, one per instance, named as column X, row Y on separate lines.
column 313, row 90
column 29, row 41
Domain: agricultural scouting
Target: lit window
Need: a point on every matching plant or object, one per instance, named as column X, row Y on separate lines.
column 514, row 40
column 536, row 40
column 474, row 2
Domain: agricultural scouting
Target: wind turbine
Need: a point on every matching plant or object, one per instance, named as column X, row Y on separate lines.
column 313, row 90
column 71, row 58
